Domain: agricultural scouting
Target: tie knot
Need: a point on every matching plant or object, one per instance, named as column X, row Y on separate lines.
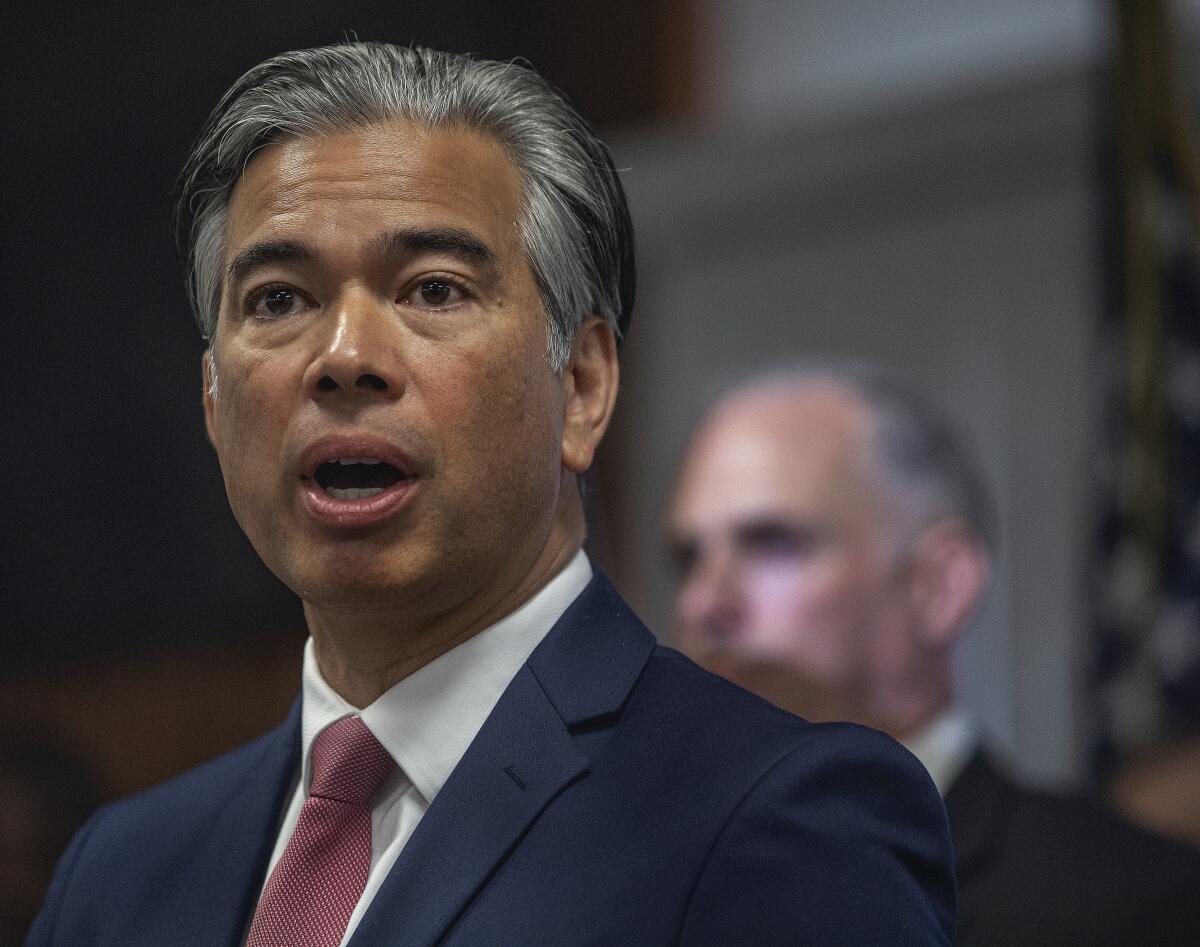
column 349, row 764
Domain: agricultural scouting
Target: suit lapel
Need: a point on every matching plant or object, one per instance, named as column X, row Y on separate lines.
column 591, row 659
column 226, row 876
column 977, row 806
column 522, row 758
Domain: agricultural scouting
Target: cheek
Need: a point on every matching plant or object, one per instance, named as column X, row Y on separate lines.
column 487, row 375
column 809, row 611
column 245, row 379
column 893, row 622
column 496, row 423
column 250, row 418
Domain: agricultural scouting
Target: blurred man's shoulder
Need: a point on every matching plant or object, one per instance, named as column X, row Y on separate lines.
column 1063, row 867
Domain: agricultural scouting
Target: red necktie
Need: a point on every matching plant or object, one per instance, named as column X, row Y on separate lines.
column 321, row 874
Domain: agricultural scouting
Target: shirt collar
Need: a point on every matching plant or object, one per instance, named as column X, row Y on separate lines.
column 427, row 721
column 943, row 746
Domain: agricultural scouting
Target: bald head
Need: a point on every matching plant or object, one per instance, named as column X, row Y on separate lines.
column 807, row 571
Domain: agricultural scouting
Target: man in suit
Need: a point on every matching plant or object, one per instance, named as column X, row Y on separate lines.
column 833, row 539
column 412, row 269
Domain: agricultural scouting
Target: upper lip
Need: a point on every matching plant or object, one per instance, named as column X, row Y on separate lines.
column 345, row 446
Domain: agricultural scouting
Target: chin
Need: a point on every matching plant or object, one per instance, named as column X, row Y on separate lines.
column 346, row 581
column 357, row 594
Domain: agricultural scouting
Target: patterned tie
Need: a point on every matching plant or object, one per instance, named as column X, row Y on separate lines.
column 321, row 874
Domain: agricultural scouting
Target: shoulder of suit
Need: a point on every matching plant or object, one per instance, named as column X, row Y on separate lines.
column 715, row 715
column 203, row 787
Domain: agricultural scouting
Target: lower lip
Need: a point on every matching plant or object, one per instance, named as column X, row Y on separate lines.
column 366, row 511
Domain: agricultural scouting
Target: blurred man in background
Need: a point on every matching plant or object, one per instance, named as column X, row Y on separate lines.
column 834, row 540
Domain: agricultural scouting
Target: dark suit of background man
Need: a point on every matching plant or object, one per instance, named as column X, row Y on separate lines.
column 412, row 269
column 834, row 540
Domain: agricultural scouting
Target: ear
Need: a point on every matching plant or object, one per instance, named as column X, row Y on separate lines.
column 951, row 569
column 206, row 374
column 590, row 391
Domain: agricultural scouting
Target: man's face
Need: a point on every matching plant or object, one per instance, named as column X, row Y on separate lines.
column 788, row 584
column 378, row 307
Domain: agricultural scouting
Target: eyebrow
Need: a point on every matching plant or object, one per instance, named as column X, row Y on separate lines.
column 403, row 242
column 264, row 254
column 768, row 528
column 446, row 240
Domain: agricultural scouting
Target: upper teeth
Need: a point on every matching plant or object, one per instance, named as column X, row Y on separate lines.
column 346, row 461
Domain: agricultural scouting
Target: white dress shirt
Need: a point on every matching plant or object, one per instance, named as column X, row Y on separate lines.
column 944, row 745
column 426, row 721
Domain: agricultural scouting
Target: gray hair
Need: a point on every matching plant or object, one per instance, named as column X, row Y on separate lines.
column 575, row 225
column 924, row 466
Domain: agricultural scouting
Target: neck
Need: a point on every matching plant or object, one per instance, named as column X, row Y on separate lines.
column 900, row 704
column 907, row 719
column 364, row 651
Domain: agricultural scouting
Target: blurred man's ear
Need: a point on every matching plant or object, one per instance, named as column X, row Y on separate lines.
column 951, row 569
column 590, row 388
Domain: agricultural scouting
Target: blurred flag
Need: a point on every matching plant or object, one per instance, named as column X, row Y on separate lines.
column 1145, row 584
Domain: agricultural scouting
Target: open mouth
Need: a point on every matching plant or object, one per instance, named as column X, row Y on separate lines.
column 356, row 478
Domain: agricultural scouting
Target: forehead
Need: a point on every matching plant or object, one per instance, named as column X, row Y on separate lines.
column 373, row 178
column 802, row 453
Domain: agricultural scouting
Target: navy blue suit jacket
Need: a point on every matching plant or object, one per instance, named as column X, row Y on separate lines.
column 617, row 794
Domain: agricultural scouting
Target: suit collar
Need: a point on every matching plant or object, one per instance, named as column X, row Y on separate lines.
column 944, row 745
column 523, row 757
column 591, row 659
column 427, row 720
column 977, row 805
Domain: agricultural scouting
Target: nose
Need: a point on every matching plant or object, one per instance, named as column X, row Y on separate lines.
column 359, row 353
column 710, row 604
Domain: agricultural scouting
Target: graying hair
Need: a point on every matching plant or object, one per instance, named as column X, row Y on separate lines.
column 924, row 466
column 575, row 225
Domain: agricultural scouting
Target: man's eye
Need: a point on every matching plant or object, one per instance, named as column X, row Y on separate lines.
column 275, row 303
column 777, row 540
column 434, row 294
